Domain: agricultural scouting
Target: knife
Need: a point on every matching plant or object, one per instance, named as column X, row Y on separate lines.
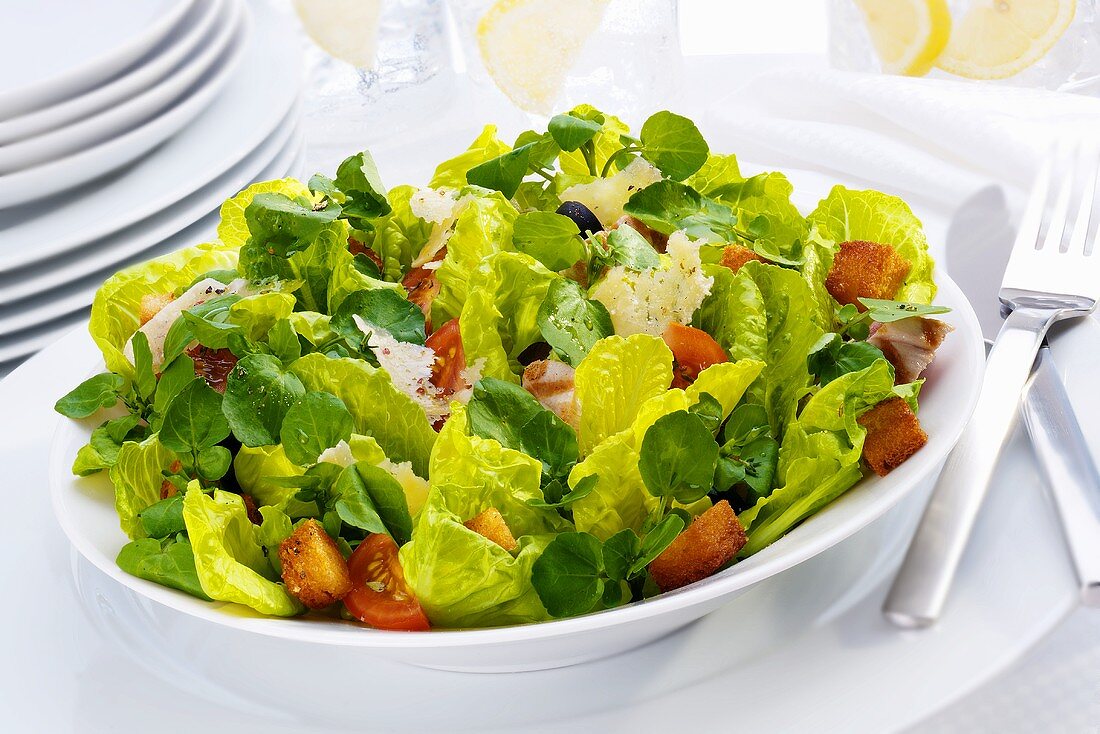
column 1068, row 470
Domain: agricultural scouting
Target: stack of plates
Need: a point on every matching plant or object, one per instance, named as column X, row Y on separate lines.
column 124, row 147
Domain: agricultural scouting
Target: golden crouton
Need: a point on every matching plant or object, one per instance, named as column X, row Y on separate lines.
column 313, row 569
column 865, row 270
column 151, row 304
column 490, row 524
column 710, row 542
column 734, row 256
column 893, row 435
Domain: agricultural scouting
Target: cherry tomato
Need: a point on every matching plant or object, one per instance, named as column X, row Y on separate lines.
column 380, row 596
column 450, row 360
column 694, row 350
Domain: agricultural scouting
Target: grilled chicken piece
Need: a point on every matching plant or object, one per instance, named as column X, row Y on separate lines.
column 551, row 383
column 910, row 345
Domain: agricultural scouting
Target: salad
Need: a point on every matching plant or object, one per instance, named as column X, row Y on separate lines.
column 567, row 374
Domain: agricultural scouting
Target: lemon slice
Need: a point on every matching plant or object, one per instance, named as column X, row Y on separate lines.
column 344, row 29
column 529, row 46
column 908, row 35
column 998, row 38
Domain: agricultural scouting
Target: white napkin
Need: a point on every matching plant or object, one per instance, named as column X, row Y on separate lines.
column 936, row 140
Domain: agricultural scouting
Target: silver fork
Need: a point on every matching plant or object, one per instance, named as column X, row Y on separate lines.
column 1053, row 274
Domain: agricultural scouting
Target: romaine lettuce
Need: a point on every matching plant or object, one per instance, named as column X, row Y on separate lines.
column 452, row 173
column 136, row 477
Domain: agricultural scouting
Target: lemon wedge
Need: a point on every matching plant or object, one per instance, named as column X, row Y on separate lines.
column 344, row 29
column 908, row 35
column 995, row 39
column 529, row 46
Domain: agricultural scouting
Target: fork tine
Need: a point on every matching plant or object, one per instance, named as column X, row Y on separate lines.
column 1056, row 224
column 1031, row 224
column 1089, row 164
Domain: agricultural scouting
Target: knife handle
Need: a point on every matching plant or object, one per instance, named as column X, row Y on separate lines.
column 921, row 587
column 1068, row 470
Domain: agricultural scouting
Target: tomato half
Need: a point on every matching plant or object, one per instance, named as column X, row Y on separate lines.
column 694, row 350
column 450, row 359
column 380, row 595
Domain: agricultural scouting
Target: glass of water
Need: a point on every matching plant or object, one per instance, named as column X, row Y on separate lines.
column 546, row 56
column 1054, row 44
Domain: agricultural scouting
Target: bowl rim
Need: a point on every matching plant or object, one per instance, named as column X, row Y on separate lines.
column 797, row 546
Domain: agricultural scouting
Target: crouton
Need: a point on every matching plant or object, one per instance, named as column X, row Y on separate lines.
column 151, row 304
column 893, row 435
column 865, row 270
column 735, row 256
column 314, row 571
column 710, row 542
column 491, row 525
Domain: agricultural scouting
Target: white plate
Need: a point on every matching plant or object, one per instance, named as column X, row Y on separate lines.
column 760, row 661
column 145, row 72
column 253, row 102
column 86, row 513
column 75, row 45
column 71, row 171
column 147, row 239
column 169, row 93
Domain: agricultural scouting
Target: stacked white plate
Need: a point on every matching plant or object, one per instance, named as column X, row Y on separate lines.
column 123, row 147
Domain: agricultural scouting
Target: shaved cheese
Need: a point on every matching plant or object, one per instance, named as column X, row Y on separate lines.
column 416, row 488
column 647, row 302
column 409, row 367
column 606, row 197
column 433, row 205
column 340, row 454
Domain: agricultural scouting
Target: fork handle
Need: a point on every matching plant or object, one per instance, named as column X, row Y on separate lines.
column 922, row 584
column 1070, row 473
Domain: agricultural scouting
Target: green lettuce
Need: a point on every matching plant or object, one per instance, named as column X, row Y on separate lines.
column 229, row 557
column 255, row 469
column 718, row 171
column 498, row 319
column 613, row 382
column 734, row 314
column 116, row 310
column 483, row 226
column 461, row 578
column 451, row 173
column 767, row 195
column 847, row 214
column 137, row 478
column 379, row 409
column 820, row 453
column 256, row 314
column 606, row 143
column 399, row 236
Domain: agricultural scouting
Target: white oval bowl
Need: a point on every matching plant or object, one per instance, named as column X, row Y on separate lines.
column 85, row 510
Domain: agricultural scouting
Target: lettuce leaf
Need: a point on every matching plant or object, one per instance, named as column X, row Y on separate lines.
column 259, row 312
column 379, row 409
column 451, row 173
column 483, row 226
column 116, row 310
column 229, row 558
column 613, row 382
column 498, row 319
column 461, row 578
column 400, row 235
column 606, row 143
column 718, row 171
column 255, row 469
column 734, row 314
column 847, row 214
column 136, row 477
column 767, row 195
column 820, row 453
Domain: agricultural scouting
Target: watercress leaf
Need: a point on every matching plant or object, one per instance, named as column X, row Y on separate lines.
column 282, row 226
column 213, row 462
column 100, row 391
column 626, row 247
column 619, row 553
column 210, row 332
column 509, row 414
column 831, row 356
column 145, row 379
column 258, row 394
column 163, row 519
column 552, row 239
column 886, row 311
column 569, row 575
column 321, row 184
column 553, row 499
column 571, row 132
column 372, row 500
column 544, row 149
column 745, row 423
column 172, row 565
column 760, row 457
column 727, row 472
column 317, row 421
column 283, row 342
column 364, row 195
column 175, row 376
column 667, row 206
column 383, row 308
column 194, row 419
column 656, row 540
column 503, row 173
column 677, row 457
column 710, row 411
column 674, row 144
column 570, row 322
